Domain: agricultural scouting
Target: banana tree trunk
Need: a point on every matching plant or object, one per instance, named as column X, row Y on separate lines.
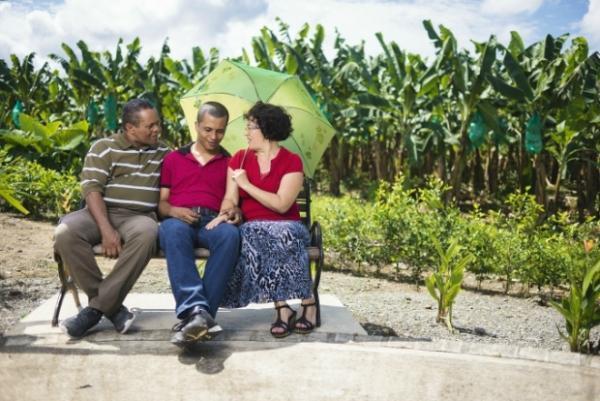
column 540, row 180
column 592, row 185
column 478, row 174
column 459, row 160
column 492, row 170
column 557, row 183
column 379, row 153
column 334, row 172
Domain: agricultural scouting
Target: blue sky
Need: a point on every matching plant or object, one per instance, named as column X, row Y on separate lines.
column 41, row 26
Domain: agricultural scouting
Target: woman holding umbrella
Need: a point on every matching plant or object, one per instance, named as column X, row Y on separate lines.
column 265, row 180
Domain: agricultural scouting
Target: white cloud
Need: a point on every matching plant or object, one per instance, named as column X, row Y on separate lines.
column 510, row 7
column 229, row 25
column 590, row 24
column 400, row 21
column 186, row 23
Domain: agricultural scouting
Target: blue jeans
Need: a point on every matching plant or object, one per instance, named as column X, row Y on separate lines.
column 178, row 240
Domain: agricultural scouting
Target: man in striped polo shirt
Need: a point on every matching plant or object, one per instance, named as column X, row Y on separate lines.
column 119, row 182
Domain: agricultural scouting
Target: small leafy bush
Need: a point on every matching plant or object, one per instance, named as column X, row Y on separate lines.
column 43, row 192
column 401, row 226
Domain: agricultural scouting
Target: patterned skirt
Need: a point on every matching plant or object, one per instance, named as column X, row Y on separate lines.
column 273, row 264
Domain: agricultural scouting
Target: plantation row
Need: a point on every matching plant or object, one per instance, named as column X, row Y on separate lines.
column 501, row 119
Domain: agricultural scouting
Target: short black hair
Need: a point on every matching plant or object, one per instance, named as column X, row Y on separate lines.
column 274, row 122
column 131, row 111
column 215, row 109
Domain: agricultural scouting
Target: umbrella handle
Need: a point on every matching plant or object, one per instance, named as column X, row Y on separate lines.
column 243, row 158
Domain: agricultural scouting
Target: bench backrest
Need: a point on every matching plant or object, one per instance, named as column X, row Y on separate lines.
column 303, row 202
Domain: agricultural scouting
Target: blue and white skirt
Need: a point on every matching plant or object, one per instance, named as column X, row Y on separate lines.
column 273, row 264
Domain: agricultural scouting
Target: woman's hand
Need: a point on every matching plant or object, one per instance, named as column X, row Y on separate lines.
column 216, row 221
column 240, row 177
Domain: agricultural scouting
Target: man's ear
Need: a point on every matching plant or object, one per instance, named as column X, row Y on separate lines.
column 129, row 126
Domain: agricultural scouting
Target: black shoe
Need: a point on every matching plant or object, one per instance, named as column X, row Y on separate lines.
column 76, row 326
column 197, row 326
column 122, row 320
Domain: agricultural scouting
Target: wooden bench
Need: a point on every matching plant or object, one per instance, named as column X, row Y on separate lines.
column 315, row 255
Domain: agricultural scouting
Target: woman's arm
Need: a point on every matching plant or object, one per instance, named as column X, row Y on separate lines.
column 280, row 202
column 228, row 205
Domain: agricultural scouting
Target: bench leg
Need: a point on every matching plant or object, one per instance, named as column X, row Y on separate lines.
column 66, row 283
column 316, row 240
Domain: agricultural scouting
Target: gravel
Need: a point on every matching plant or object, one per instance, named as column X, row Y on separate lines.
column 390, row 308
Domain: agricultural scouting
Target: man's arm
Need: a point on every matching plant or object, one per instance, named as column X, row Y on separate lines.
column 165, row 209
column 111, row 240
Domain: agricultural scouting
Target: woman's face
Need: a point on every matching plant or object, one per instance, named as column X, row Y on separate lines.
column 254, row 135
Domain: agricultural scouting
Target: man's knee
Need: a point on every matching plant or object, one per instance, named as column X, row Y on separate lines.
column 145, row 231
column 62, row 235
column 229, row 233
column 172, row 228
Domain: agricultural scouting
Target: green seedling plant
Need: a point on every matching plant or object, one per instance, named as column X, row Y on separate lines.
column 445, row 283
column 581, row 310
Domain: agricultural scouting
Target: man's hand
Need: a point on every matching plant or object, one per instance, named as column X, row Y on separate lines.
column 234, row 215
column 184, row 214
column 111, row 243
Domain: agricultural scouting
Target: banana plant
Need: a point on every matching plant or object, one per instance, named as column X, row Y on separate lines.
column 467, row 84
column 541, row 80
column 22, row 82
column 51, row 145
column 445, row 283
column 564, row 148
column 404, row 87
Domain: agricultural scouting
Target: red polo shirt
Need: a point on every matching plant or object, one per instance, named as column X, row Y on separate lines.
column 284, row 162
column 192, row 184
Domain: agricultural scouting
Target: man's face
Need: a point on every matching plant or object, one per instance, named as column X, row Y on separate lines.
column 147, row 131
column 211, row 131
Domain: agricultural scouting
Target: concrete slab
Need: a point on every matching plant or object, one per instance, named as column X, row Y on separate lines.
column 155, row 312
column 38, row 362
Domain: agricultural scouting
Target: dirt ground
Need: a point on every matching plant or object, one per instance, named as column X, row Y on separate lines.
column 28, row 274
column 27, row 269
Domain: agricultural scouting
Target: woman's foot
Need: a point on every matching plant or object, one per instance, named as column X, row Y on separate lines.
column 282, row 327
column 309, row 317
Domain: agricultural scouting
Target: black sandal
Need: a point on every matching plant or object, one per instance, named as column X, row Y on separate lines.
column 287, row 327
column 308, row 325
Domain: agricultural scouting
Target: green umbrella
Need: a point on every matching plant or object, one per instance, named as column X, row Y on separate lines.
column 239, row 86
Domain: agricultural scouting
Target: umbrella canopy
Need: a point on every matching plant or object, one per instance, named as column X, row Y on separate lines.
column 239, row 86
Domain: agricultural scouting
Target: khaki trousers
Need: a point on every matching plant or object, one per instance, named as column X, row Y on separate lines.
column 77, row 233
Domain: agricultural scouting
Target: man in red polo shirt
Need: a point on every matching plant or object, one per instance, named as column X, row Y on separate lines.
column 193, row 180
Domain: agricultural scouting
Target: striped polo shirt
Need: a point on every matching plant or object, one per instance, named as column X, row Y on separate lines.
column 127, row 176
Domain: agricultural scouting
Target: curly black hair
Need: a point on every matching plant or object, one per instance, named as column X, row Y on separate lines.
column 274, row 122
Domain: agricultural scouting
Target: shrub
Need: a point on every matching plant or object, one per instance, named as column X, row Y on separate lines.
column 402, row 225
column 44, row 192
column 349, row 230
